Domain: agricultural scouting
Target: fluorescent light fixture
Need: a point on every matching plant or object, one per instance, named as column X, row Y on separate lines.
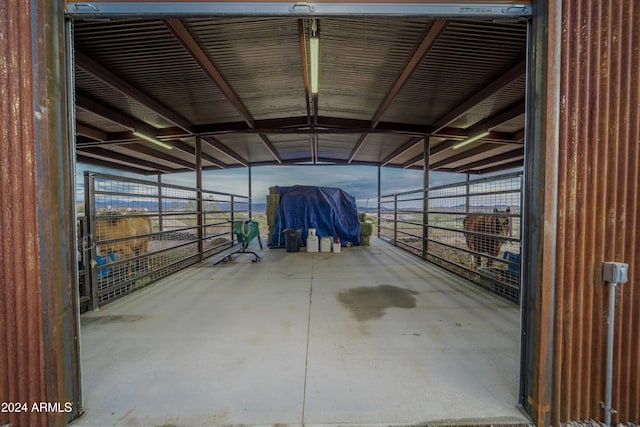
column 314, row 52
column 314, row 48
column 152, row 139
column 470, row 140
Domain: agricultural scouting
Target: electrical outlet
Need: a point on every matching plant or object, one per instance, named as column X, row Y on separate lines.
column 615, row 272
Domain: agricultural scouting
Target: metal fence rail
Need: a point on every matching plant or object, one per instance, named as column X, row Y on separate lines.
column 471, row 228
column 134, row 232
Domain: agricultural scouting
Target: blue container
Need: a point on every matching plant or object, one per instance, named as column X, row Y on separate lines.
column 102, row 260
column 512, row 257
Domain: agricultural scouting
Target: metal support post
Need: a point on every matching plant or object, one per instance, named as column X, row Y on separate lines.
column 233, row 236
column 250, row 199
column 379, row 198
column 160, row 224
column 467, row 195
column 395, row 219
column 425, row 203
column 199, row 208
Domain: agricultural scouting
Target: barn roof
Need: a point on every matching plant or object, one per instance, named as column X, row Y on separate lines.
column 242, row 84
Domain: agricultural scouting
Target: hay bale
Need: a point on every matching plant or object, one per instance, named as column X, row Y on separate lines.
column 273, row 201
column 366, row 228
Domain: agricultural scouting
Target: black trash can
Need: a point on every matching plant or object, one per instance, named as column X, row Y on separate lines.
column 292, row 239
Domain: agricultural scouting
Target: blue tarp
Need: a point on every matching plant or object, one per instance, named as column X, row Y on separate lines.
column 331, row 211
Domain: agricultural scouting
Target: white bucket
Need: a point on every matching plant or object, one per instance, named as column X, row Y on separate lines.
column 336, row 247
column 312, row 232
column 325, row 244
column 312, row 243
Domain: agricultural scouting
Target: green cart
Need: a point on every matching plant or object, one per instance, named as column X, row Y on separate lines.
column 244, row 230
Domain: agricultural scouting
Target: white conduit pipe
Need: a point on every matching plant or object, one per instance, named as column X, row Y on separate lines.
column 614, row 273
column 608, row 410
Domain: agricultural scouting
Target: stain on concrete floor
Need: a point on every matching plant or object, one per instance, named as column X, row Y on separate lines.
column 117, row 318
column 371, row 302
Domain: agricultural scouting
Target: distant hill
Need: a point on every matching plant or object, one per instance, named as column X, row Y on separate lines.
column 261, row 208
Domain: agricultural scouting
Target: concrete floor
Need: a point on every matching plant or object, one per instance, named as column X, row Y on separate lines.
column 369, row 336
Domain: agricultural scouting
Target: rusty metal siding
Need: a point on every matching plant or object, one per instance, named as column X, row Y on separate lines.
column 21, row 367
column 598, row 216
column 38, row 358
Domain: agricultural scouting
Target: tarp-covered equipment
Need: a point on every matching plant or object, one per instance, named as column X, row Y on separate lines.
column 331, row 211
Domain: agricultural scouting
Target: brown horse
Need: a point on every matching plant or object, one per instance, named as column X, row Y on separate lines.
column 484, row 233
column 126, row 228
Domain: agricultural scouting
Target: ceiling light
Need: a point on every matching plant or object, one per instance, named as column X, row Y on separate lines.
column 152, row 139
column 470, row 140
column 314, row 50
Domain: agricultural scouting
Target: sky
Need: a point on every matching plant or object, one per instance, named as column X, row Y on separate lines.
column 359, row 181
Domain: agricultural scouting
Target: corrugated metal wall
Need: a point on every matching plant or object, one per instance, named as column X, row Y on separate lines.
column 598, row 213
column 21, row 367
column 38, row 357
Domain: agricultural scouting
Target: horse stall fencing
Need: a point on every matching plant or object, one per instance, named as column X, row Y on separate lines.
column 472, row 228
column 134, row 232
